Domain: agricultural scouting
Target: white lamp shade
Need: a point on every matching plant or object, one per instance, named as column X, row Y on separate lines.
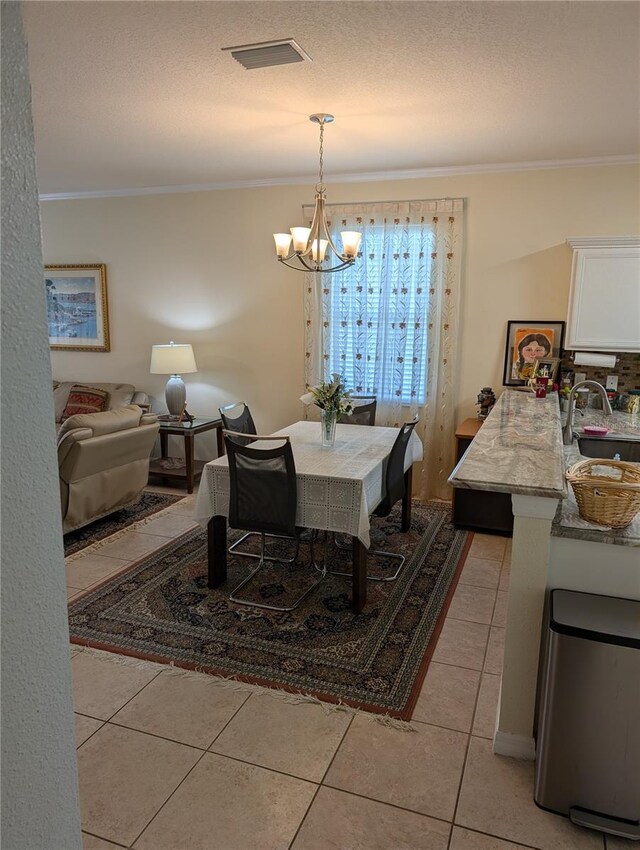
column 350, row 242
column 172, row 359
column 300, row 238
column 323, row 249
column 283, row 243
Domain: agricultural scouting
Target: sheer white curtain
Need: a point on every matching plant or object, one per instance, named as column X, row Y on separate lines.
column 388, row 324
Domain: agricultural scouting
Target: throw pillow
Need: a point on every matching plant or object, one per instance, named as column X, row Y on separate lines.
column 85, row 400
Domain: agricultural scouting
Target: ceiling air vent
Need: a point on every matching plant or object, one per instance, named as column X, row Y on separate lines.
column 268, row 53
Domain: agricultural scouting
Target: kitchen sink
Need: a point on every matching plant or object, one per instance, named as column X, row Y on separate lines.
column 608, row 447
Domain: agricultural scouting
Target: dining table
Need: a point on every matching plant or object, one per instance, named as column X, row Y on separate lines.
column 338, row 487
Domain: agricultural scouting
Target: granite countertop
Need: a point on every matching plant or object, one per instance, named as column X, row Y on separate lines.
column 517, row 450
column 622, row 424
column 568, row 522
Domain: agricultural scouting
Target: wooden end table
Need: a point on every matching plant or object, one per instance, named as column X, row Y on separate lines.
column 192, row 468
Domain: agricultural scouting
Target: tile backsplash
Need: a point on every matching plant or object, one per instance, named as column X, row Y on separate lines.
column 627, row 369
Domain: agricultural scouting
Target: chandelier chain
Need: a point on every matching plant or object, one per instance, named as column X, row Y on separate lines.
column 321, row 175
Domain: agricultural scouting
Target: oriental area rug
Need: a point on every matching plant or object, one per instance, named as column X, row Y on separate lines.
column 147, row 505
column 160, row 609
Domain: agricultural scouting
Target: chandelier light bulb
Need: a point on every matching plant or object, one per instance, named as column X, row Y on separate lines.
column 311, row 245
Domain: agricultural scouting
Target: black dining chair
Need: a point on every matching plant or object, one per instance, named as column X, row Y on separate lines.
column 363, row 414
column 394, row 488
column 240, row 424
column 263, row 499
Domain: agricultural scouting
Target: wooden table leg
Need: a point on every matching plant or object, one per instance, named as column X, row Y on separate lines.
column 188, row 459
column 406, row 500
column 217, row 550
column 164, row 445
column 220, row 440
column 359, row 587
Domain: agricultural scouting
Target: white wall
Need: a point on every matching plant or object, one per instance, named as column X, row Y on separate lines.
column 200, row 268
column 39, row 784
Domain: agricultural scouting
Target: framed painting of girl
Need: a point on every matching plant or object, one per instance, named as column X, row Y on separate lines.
column 527, row 343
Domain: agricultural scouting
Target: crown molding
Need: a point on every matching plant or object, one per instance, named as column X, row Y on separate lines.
column 363, row 177
column 604, row 241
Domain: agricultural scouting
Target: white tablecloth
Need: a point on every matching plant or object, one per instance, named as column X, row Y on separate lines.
column 338, row 487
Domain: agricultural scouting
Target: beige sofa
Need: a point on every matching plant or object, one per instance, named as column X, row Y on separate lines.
column 103, row 462
column 119, row 395
column 100, row 468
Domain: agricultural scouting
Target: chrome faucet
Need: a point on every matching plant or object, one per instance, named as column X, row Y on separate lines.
column 567, row 431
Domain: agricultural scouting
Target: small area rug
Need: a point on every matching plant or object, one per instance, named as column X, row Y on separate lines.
column 147, row 505
column 160, row 609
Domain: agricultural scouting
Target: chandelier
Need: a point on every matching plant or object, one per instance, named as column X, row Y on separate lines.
column 310, row 244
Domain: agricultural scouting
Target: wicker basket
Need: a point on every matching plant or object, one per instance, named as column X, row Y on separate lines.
column 607, row 491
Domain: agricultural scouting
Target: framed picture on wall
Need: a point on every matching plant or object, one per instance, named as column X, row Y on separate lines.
column 528, row 342
column 77, row 310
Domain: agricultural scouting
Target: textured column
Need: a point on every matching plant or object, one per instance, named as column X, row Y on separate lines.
column 40, row 809
column 527, row 586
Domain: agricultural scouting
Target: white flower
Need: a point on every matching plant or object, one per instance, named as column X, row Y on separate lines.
column 331, row 396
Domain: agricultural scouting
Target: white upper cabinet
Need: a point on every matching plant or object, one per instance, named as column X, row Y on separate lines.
column 604, row 301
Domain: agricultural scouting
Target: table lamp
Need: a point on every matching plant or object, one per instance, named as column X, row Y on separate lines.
column 173, row 360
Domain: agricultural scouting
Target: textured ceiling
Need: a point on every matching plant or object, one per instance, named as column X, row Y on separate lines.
column 139, row 94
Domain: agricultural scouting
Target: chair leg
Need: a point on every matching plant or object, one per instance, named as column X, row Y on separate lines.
column 245, row 582
column 346, row 547
column 377, row 552
column 233, row 549
column 394, row 556
column 323, row 568
column 372, row 553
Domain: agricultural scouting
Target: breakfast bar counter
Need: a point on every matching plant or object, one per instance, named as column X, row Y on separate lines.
column 517, row 450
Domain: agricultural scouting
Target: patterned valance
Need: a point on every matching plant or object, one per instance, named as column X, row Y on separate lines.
column 387, row 212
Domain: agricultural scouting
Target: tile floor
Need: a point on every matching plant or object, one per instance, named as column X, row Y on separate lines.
column 180, row 761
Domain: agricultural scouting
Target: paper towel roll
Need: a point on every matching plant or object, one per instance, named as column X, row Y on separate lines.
column 590, row 358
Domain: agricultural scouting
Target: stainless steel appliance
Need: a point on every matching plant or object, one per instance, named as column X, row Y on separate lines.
column 588, row 747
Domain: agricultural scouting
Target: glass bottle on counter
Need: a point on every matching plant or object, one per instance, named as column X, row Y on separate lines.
column 622, row 401
column 633, row 405
column 582, row 398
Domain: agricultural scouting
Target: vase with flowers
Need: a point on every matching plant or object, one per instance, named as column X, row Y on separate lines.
column 334, row 401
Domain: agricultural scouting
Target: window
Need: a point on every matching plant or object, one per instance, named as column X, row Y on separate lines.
column 389, row 323
column 375, row 314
